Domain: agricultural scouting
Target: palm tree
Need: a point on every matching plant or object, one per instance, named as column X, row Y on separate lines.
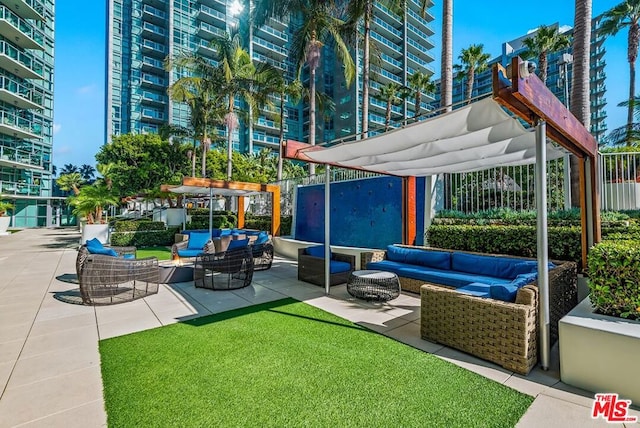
column 70, row 182
column 87, row 172
column 446, row 70
column 580, row 104
column 292, row 91
column 545, row 41
column 474, row 60
column 626, row 14
column 68, row 169
column 391, row 93
column 319, row 25
column 91, row 200
column 420, row 83
column 54, row 170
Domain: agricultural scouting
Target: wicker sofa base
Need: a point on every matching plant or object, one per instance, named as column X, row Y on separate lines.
column 500, row 332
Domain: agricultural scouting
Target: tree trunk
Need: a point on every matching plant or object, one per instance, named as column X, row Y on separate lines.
column 470, row 79
column 281, row 142
column 193, row 159
column 446, row 79
column 418, row 102
column 580, row 90
column 543, row 66
column 312, row 114
column 387, row 117
column 204, row 156
column 632, row 54
column 365, row 67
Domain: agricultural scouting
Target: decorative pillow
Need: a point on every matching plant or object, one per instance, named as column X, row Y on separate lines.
column 504, row 292
column 237, row 243
column 197, row 240
column 316, row 251
column 95, row 242
column 262, row 238
column 102, row 250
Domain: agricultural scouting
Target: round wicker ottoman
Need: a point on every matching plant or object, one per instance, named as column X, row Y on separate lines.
column 376, row 285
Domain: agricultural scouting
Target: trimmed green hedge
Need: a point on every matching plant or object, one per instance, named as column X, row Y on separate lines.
column 564, row 242
column 138, row 225
column 150, row 238
column 218, row 222
column 263, row 222
column 614, row 278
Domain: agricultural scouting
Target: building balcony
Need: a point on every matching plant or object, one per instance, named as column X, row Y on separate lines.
column 153, row 32
column 271, row 34
column 282, row 65
column 211, row 15
column 153, row 80
column 269, row 47
column 18, row 30
column 208, row 31
column 387, row 14
column 19, row 127
column 154, row 115
column 263, row 139
column 221, row 4
column 384, row 77
column 394, row 63
column 154, row 15
column 160, row 4
column 19, row 95
column 152, row 64
column 263, row 122
column 205, row 48
column 414, row 13
column 419, row 62
column 29, row 9
column 154, row 98
column 19, row 189
column 424, row 40
column 386, row 29
column 10, row 156
column 418, row 49
column 20, row 63
column 386, row 45
column 155, row 48
column 382, row 106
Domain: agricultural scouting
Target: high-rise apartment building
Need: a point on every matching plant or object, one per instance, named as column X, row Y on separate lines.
column 26, row 110
column 559, row 74
column 142, row 33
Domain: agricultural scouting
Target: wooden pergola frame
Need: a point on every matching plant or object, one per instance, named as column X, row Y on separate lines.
column 209, row 183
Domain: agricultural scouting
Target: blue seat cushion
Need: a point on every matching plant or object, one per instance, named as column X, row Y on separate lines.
column 263, row 237
column 477, row 289
column 129, row 256
column 190, row 252
column 216, row 233
column 500, row 267
column 197, row 240
column 94, row 246
column 237, row 243
column 316, row 251
column 336, row 266
column 433, row 275
column 508, row 292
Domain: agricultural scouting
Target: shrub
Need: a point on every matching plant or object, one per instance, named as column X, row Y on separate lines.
column 218, row 222
column 614, row 278
column 149, row 238
column 141, row 225
column 263, row 222
column 564, row 242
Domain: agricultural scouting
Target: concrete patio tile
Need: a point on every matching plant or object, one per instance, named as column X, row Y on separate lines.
column 58, row 340
column 56, row 309
column 569, row 393
column 89, row 415
column 258, row 294
column 221, row 301
column 526, row 386
column 51, row 396
column 129, row 310
column 476, row 365
column 384, row 326
column 409, row 333
column 5, row 371
column 58, row 324
column 11, row 332
column 9, row 351
column 55, row 363
column 19, row 317
column 125, row 320
column 549, row 413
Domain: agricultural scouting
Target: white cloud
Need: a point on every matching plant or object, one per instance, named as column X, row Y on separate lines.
column 87, row 89
column 56, row 128
column 62, row 150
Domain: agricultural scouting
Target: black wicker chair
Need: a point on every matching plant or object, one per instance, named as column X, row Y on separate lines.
column 311, row 268
column 262, row 256
column 107, row 280
column 229, row 270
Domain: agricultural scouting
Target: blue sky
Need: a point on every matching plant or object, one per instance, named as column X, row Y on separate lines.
column 80, row 61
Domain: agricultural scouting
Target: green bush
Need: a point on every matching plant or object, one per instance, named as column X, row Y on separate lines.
column 149, row 238
column 138, row 225
column 218, row 222
column 614, row 278
column 564, row 242
column 263, row 222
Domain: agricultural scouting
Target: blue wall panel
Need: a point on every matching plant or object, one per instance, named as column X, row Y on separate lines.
column 364, row 213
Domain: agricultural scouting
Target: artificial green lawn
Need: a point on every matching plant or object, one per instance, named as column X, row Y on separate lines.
column 162, row 253
column 286, row 363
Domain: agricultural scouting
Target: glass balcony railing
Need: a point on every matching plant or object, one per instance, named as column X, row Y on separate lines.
column 269, row 45
column 418, row 46
column 385, row 42
column 420, row 61
column 153, row 62
column 153, row 80
column 391, row 60
column 36, row 66
column 20, row 90
column 212, row 29
column 150, row 44
column 278, row 64
column 383, row 105
column 154, row 12
column 21, row 25
column 20, row 123
column 10, row 154
column 154, row 97
column 386, row 26
column 155, row 29
column 388, row 12
column 273, row 31
column 212, row 12
column 390, row 76
column 13, row 188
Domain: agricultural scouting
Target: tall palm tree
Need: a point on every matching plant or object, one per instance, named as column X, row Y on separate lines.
column 69, row 168
column 391, row 94
column 626, row 14
column 319, row 25
column 474, row 60
column 420, row 83
column 545, row 41
column 293, row 92
column 580, row 103
column 446, row 70
column 87, row 172
column 70, row 182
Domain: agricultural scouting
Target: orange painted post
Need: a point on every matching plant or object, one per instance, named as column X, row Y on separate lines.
column 583, row 213
column 409, row 210
column 240, row 212
column 275, row 210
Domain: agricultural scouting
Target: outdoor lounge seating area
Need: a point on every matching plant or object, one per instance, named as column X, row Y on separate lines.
column 311, row 266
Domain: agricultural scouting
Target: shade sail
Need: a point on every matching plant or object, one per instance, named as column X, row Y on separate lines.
column 475, row 137
column 204, row 191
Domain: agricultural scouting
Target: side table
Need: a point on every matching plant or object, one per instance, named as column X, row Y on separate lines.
column 373, row 285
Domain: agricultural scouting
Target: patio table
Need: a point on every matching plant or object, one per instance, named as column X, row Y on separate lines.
column 373, row 285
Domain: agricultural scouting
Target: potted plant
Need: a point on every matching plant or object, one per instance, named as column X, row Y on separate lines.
column 4, row 218
column 89, row 203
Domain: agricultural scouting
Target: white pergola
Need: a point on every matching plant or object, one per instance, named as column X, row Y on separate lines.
column 478, row 136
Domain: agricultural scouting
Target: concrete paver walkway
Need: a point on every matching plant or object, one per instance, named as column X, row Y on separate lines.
column 49, row 359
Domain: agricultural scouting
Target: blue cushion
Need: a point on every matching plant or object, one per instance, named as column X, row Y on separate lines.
column 190, row 253
column 197, row 240
column 237, row 243
column 129, row 256
column 397, row 254
column 225, row 232
column 95, row 242
column 262, row 238
column 500, row 267
column 524, row 279
column 216, row 232
column 504, row 292
column 93, row 249
column 477, row 289
column 336, row 266
column 434, row 259
column 316, row 251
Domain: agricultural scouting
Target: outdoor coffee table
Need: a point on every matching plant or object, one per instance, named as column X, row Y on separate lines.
column 173, row 271
column 375, row 285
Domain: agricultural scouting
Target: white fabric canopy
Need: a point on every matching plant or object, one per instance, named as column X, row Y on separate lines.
column 203, row 190
column 475, row 137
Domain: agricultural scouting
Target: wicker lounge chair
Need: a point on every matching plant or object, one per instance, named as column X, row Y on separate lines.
column 224, row 271
column 262, row 256
column 311, row 268
column 106, row 280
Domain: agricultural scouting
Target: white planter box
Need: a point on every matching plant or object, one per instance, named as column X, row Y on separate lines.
column 622, row 196
column 4, row 224
column 599, row 353
column 175, row 216
column 100, row 231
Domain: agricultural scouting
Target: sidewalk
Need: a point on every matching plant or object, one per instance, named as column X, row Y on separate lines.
column 49, row 360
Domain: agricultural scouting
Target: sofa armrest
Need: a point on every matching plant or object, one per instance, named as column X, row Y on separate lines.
column 178, row 246
column 347, row 258
column 371, row 256
column 124, row 250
